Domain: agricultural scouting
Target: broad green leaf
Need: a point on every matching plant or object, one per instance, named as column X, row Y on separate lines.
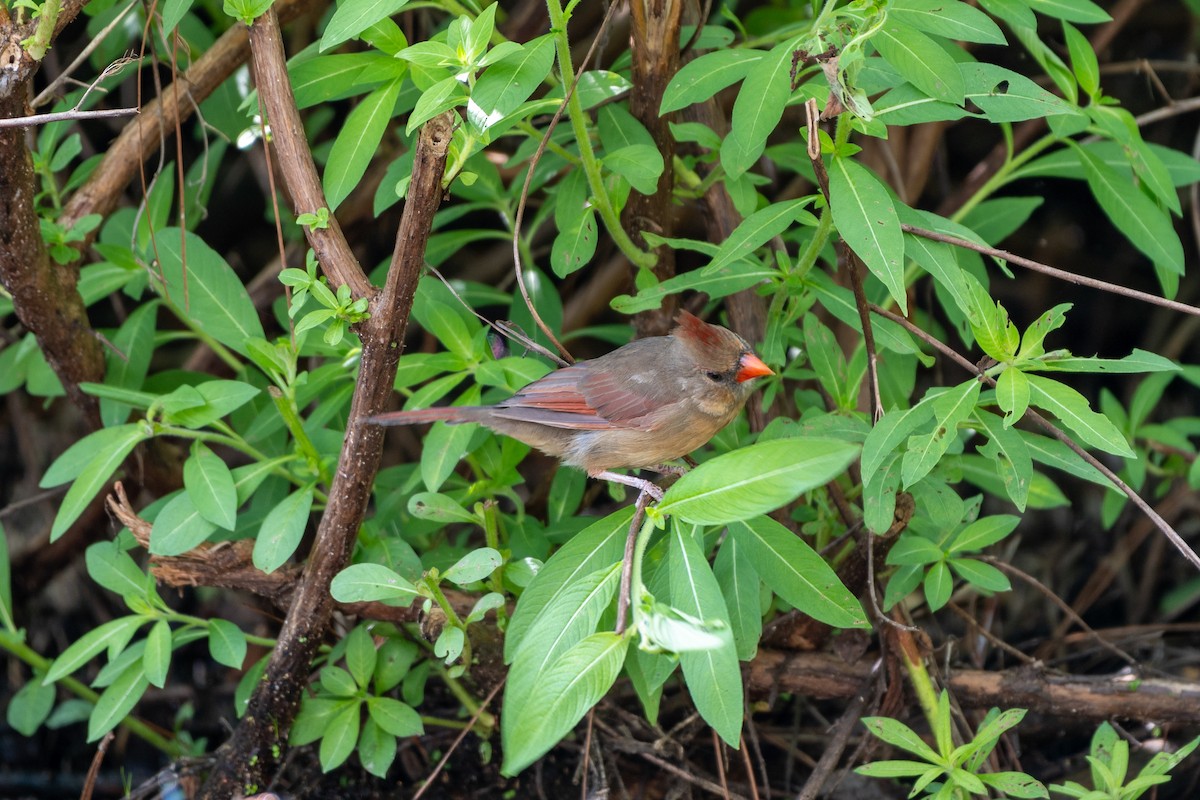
column 885, row 438
column 1007, row 96
column 1182, row 169
column 758, row 108
column 509, row 82
column 179, row 527
column 209, row 483
column 398, row 719
column 983, row 533
column 226, row 643
column 439, row 508
column 704, row 76
column 357, row 142
column 115, row 570
column 949, row 18
column 1008, row 454
column 755, row 479
column 76, row 458
column 640, row 164
column 920, row 61
column 594, row 548
column 795, row 572
column 212, row 296
column 980, row 575
column 282, row 530
column 340, row 735
column 172, row 13
column 1033, row 342
column 157, row 658
column 726, row 281
column 352, row 17
column 474, row 566
column 444, row 447
column 900, row 735
column 134, row 342
column 866, row 219
column 1083, row 59
column 939, row 584
column 376, row 748
column 740, row 587
column 1082, row 11
column 1073, row 410
column 950, row 409
column 442, row 96
column 1135, row 215
column 91, row 644
column 532, row 724
column 758, row 229
column 359, row 583
column 30, row 706
column 1137, row 361
column 324, row 78
column 713, row 677
column 994, row 220
column 208, row 402
column 117, row 701
column 574, row 247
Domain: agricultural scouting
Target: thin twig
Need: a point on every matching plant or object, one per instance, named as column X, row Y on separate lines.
column 89, row 784
column 635, row 525
column 63, row 116
column 1057, row 433
column 47, row 94
column 1053, row 272
column 841, row 735
column 457, row 741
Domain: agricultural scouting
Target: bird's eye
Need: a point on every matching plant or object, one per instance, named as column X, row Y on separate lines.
column 715, row 377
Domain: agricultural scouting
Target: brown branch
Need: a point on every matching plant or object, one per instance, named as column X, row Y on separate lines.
column 141, row 137
column 254, row 752
column 43, row 292
column 64, row 116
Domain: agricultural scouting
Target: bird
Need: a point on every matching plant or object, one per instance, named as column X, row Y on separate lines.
column 640, row 406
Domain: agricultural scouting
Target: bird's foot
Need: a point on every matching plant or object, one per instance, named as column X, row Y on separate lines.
column 647, row 488
column 677, row 470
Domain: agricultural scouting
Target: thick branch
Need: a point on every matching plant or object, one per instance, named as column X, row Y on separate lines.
column 254, row 752
column 43, row 292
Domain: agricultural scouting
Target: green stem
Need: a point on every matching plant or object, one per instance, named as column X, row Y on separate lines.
column 591, row 165
column 39, row 43
column 200, row 622
column 1002, row 175
column 486, row 720
column 636, row 587
column 40, row 664
column 286, row 404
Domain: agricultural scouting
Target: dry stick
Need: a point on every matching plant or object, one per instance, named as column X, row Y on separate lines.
column 45, row 95
column 457, row 740
column 524, row 198
column 1053, row 272
column 255, row 749
column 89, row 784
column 720, row 757
column 1054, row 431
column 63, row 116
column 841, row 735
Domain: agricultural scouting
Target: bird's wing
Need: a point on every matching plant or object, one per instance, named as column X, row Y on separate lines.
column 582, row 397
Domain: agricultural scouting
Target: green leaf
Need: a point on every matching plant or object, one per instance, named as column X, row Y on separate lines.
column 95, row 476
column 981, row 575
column 117, row 701
column 713, row 677
column 209, row 401
column 442, row 96
column 209, row 483
column 324, row 78
column 398, row 719
column 574, row 246
column 640, row 164
column 758, row 108
column 1007, row 453
column 134, row 342
column 1072, row 409
column 439, row 508
column 1007, row 96
column 705, row 75
column 444, row 447
column 156, row 660
column 1133, row 213
column 367, row 582
column 1082, row 11
column 594, row 548
column 900, row 735
column 755, row 479
column 509, row 82
column 115, row 570
column 758, row 229
column 357, row 142
column 30, row 706
column 532, row 724
column 950, row 409
column 179, row 527
column 740, row 586
column 1083, row 59
column 282, row 530
column 340, row 736
column 939, row 584
column 214, row 298
column 886, row 437
column 76, row 458
column 867, row 220
column 352, row 17
column 949, row 18
column 474, row 566
column 920, row 61
column 91, row 644
column 226, row 643
column 795, row 572
column 376, row 748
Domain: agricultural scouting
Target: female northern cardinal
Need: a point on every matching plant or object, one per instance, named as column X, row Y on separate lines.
column 643, row 404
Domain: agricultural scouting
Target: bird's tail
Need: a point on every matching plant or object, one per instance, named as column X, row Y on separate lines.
column 421, row 416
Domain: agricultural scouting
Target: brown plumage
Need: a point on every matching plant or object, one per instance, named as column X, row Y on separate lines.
column 642, row 405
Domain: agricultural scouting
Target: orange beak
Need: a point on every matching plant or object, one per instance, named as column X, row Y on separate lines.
column 751, row 366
